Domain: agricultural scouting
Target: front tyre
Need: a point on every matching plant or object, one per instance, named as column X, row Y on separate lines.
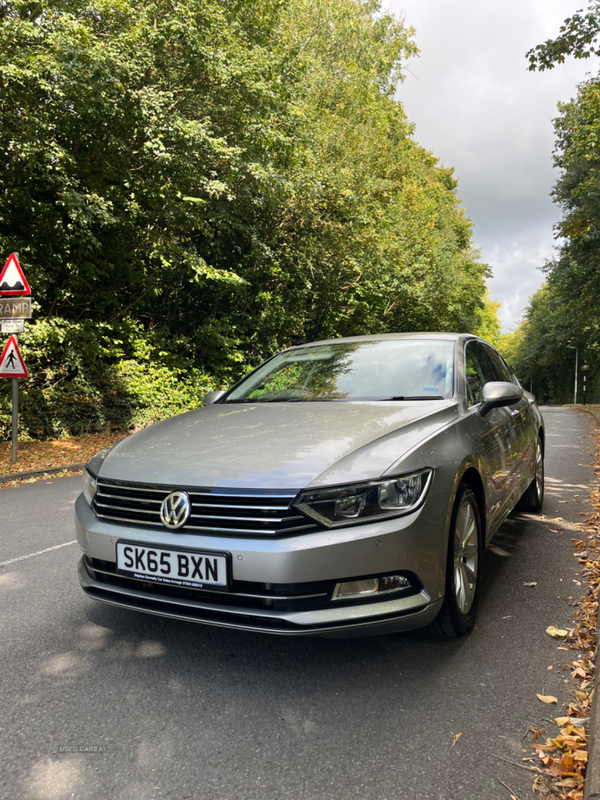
column 457, row 614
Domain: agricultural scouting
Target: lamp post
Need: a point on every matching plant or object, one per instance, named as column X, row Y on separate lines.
column 572, row 347
column 585, row 369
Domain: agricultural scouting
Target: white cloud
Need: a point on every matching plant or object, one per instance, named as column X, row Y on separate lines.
column 479, row 110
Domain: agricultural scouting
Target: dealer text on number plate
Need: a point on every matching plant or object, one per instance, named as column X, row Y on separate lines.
column 178, row 567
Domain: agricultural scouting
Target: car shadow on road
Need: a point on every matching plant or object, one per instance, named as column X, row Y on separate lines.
column 182, row 639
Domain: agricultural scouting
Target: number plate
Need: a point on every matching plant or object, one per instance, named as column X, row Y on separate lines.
column 191, row 568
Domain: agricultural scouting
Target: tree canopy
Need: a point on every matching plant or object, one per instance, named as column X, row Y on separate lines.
column 577, row 37
column 193, row 184
column 565, row 313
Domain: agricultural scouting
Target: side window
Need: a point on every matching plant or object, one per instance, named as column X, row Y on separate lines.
column 478, row 372
column 499, row 367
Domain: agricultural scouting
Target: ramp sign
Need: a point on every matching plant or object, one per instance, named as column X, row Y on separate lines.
column 12, row 279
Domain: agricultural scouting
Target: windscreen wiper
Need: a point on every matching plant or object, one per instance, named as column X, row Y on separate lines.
column 417, row 397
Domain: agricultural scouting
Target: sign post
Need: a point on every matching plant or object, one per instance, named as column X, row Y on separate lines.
column 15, row 420
column 14, row 308
column 12, row 366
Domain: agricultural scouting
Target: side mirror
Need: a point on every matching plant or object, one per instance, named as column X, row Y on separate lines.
column 499, row 393
column 212, row 397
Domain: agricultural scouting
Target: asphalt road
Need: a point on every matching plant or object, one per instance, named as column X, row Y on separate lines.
column 196, row 712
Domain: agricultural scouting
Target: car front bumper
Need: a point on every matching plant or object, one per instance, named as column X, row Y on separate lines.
column 283, row 585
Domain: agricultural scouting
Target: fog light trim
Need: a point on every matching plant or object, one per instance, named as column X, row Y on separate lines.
column 370, row 587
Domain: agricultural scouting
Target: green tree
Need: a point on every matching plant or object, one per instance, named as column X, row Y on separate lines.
column 577, row 37
column 371, row 236
column 564, row 313
column 193, row 184
column 539, row 350
column 488, row 324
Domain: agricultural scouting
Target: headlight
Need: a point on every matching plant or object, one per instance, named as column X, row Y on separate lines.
column 94, row 466
column 365, row 502
column 89, row 485
column 105, row 450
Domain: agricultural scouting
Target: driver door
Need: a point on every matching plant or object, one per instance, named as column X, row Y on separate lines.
column 493, row 433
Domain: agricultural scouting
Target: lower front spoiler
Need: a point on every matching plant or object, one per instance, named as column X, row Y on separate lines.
column 389, row 616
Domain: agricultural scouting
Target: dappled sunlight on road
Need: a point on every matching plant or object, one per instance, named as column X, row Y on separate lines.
column 9, row 581
column 65, row 665
column 553, row 484
column 56, row 780
column 91, row 638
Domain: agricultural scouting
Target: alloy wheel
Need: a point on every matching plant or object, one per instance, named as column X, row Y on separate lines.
column 466, row 557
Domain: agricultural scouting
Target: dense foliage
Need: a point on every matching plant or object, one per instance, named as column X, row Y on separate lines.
column 565, row 313
column 193, row 184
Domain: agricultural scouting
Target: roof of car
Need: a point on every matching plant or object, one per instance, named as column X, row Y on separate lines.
column 445, row 336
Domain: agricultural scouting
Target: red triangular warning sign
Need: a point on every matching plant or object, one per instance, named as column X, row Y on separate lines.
column 12, row 280
column 11, row 361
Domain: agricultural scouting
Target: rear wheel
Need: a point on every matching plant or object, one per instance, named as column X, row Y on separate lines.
column 533, row 497
column 457, row 614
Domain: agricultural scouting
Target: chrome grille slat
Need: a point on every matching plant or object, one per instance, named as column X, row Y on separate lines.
column 244, row 513
column 241, row 508
column 243, row 495
column 124, row 508
column 128, row 519
column 244, row 519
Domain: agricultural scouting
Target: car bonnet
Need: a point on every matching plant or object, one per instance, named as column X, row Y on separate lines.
column 276, row 445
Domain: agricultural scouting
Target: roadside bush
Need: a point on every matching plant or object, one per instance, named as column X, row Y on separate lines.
column 84, row 377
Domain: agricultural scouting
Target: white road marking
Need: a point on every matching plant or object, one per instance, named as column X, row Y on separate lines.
column 39, row 553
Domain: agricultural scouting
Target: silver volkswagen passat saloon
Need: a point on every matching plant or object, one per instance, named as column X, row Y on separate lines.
column 344, row 487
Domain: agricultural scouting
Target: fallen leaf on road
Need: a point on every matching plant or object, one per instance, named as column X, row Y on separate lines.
column 578, row 723
column 561, row 721
column 533, row 583
column 556, row 633
column 456, row 737
column 566, row 764
column 547, row 698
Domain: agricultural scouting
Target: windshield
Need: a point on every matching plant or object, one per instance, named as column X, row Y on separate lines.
column 391, row 369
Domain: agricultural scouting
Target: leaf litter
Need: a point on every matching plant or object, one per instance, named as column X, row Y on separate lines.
column 49, row 454
column 563, row 755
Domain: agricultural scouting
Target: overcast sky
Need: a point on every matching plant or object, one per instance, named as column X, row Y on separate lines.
column 479, row 110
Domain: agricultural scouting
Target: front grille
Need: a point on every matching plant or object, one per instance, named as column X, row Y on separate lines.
column 231, row 511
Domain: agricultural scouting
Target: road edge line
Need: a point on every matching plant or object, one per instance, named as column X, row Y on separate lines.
column 34, row 473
